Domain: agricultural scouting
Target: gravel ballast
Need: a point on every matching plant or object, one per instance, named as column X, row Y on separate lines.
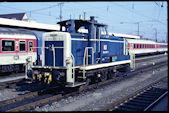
column 97, row 99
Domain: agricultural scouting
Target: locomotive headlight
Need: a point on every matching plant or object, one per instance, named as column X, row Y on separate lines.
column 68, row 61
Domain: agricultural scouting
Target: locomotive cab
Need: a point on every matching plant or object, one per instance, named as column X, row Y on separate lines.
column 57, row 53
column 56, row 59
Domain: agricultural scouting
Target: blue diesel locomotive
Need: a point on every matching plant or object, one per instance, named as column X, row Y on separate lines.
column 71, row 58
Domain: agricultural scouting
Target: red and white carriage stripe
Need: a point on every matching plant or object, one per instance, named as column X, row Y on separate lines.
column 27, row 40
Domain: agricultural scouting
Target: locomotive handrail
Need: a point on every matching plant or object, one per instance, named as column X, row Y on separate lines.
column 132, row 58
column 73, row 63
column 53, row 49
column 84, row 58
column 46, row 47
column 86, row 53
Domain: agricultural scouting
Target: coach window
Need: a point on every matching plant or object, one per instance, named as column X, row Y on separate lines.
column 30, row 46
column 8, row 45
column 22, row 45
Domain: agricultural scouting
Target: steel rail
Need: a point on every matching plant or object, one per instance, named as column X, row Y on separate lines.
column 114, row 105
column 33, row 104
column 156, row 101
column 11, row 83
column 59, row 96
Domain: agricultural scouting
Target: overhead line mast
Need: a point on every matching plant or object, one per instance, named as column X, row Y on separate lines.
column 60, row 4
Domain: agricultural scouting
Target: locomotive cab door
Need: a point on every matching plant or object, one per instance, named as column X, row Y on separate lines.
column 53, row 52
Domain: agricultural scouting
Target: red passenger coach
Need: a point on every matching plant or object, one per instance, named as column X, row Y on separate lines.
column 139, row 46
column 15, row 48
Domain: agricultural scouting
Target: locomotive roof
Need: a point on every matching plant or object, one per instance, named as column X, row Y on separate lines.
column 77, row 22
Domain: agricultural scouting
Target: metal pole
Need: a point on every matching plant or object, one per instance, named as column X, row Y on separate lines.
column 138, row 28
column 84, row 15
column 60, row 4
column 155, row 34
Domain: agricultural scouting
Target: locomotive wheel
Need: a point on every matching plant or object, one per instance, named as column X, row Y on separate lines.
column 103, row 76
column 111, row 74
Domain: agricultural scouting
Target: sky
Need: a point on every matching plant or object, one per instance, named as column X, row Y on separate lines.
column 121, row 17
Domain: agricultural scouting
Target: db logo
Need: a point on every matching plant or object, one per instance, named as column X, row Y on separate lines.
column 105, row 47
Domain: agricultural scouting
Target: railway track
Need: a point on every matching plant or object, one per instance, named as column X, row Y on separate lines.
column 12, row 83
column 140, row 59
column 22, row 81
column 38, row 98
column 142, row 99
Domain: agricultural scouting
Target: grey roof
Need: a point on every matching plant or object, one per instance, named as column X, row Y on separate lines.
column 8, row 30
column 17, row 16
